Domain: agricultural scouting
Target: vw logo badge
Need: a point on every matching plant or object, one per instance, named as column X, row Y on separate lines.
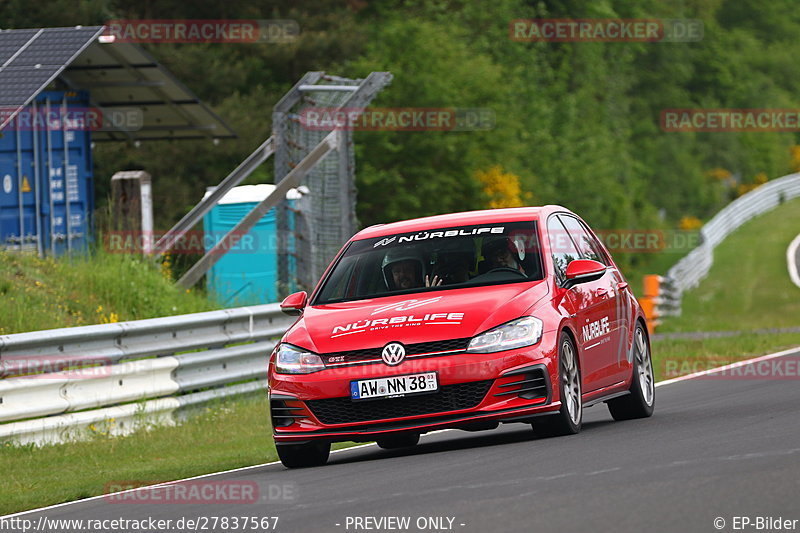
column 393, row 354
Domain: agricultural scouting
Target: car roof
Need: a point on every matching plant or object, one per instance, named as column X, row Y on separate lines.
column 467, row 218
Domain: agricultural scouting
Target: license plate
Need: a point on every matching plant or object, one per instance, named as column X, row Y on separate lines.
column 394, row 386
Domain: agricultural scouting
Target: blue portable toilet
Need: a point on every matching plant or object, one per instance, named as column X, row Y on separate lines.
column 46, row 186
column 248, row 273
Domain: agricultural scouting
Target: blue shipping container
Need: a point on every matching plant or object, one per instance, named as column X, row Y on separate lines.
column 46, row 186
column 248, row 273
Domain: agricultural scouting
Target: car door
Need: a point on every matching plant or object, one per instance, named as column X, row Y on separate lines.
column 590, row 308
column 600, row 332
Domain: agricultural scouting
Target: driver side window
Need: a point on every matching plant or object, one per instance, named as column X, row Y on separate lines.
column 586, row 245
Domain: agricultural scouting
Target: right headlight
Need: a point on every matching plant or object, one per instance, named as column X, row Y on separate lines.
column 525, row 331
column 290, row 359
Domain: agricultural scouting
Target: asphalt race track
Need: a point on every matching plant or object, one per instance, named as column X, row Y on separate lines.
column 715, row 448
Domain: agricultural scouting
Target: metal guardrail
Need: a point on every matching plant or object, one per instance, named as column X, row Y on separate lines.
column 57, row 383
column 793, row 260
column 690, row 270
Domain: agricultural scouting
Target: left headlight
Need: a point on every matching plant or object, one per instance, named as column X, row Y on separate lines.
column 291, row 359
column 524, row 331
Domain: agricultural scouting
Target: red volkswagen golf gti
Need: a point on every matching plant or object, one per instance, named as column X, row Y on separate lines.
column 459, row 321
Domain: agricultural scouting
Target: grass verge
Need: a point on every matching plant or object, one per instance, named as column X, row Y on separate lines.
column 678, row 357
column 73, row 291
column 748, row 286
column 230, row 434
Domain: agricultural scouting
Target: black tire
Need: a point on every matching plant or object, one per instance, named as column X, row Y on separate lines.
column 642, row 398
column 392, row 442
column 569, row 418
column 304, row 455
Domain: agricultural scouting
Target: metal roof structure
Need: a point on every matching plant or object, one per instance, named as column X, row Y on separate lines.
column 119, row 76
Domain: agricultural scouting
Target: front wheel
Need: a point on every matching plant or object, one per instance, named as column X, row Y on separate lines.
column 569, row 418
column 304, row 455
column 642, row 398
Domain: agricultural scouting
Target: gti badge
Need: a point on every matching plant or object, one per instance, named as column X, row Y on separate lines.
column 393, row 354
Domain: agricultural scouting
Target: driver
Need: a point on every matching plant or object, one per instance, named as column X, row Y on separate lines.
column 502, row 252
column 403, row 269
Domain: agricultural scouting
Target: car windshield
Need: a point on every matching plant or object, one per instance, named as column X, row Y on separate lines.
column 435, row 259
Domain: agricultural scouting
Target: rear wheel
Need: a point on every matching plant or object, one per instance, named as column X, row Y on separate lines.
column 641, row 401
column 393, row 442
column 304, row 455
column 569, row 418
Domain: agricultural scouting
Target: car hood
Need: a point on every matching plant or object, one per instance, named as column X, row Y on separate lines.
column 410, row 319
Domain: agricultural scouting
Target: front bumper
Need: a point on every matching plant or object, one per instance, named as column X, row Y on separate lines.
column 474, row 389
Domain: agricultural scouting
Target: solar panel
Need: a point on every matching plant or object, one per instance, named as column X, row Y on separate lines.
column 33, row 58
column 118, row 77
column 11, row 41
column 19, row 84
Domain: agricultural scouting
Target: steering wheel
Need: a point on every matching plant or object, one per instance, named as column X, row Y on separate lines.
column 506, row 269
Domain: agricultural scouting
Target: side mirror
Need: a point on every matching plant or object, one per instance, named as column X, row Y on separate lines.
column 294, row 304
column 583, row 271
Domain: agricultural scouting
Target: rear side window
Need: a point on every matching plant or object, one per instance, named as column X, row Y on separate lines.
column 587, row 246
column 562, row 248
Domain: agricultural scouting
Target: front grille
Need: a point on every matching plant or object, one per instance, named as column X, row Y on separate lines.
column 448, row 398
column 411, row 349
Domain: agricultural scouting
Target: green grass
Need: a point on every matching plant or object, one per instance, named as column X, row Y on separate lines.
column 51, row 293
column 231, row 434
column 748, row 286
column 675, row 357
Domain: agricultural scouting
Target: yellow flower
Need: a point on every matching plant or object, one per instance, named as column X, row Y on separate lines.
column 502, row 188
column 690, row 223
column 719, row 174
column 795, row 154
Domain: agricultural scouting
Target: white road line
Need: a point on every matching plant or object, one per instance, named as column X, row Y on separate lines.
column 791, row 261
column 737, row 364
column 660, row 383
column 150, row 487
